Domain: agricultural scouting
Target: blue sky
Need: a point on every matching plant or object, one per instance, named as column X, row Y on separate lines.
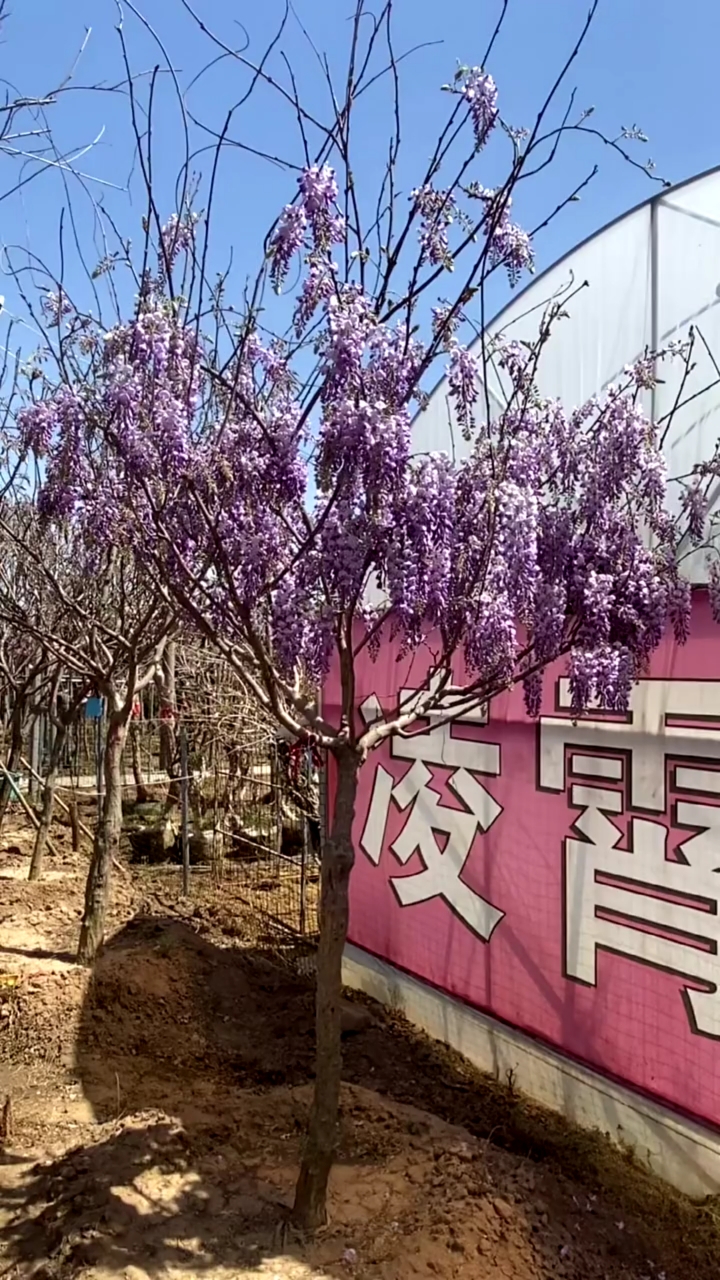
column 645, row 62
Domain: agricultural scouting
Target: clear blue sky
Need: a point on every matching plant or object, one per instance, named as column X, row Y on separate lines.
column 646, row 62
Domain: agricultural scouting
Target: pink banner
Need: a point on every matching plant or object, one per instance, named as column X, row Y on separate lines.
column 563, row 877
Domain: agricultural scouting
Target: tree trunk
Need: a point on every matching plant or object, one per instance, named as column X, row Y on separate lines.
column 13, row 759
column 107, row 843
column 141, row 794
column 48, row 803
column 309, row 1210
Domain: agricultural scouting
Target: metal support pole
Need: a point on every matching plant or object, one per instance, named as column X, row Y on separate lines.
column 100, row 761
column 185, row 809
column 307, row 770
column 654, row 297
column 35, row 756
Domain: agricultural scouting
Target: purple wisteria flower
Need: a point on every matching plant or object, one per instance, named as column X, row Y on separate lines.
column 319, row 195
column 437, row 211
column 288, row 239
column 178, row 236
column 56, row 306
column 480, row 92
column 314, row 218
column 464, row 385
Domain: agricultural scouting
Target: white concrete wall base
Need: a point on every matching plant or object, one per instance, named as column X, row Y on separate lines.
column 680, row 1151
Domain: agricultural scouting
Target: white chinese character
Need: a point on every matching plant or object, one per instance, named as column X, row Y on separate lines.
column 635, row 901
column 648, row 734
column 440, row 877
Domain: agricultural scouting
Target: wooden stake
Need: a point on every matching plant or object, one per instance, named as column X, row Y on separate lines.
column 31, row 815
column 58, row 799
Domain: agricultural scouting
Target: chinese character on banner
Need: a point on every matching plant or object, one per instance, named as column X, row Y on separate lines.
column 428, row 817
column 663, row 759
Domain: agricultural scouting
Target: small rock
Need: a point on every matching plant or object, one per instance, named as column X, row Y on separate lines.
column 503, row 1209
column 350, row 1257
column 461, row 1150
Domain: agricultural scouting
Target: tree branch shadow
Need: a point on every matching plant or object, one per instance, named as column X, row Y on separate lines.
column 138, row 1197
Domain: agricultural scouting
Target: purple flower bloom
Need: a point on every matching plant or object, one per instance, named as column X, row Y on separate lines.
column 464, row 385
column 480, row 92
column 714, row 589
column 445, row 323
column 511, row 248
column 679, row 609
column 56, row 306
column 178, row 236
column 287, row 240
column 317, row 287
column 437, row 211
column 533, row 691
column 319, row 196
column 694, row 505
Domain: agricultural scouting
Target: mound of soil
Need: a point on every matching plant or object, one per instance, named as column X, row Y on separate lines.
column 159, row 1102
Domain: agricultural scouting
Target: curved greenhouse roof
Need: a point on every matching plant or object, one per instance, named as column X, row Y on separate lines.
column 651, row 275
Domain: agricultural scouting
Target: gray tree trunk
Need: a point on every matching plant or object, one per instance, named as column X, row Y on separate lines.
column 309, row 1210
column 107, row 843
column 48, row 803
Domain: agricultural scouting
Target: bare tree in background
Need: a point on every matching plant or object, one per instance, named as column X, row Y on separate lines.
column 24, row 682
column 103, row 621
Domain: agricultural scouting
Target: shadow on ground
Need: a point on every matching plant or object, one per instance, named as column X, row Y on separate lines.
column 196, row 1059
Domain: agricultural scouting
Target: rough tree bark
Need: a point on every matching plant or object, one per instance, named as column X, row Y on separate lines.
column 107, row 842
column 48, row 802
column 309, row 1210
column 13, row 758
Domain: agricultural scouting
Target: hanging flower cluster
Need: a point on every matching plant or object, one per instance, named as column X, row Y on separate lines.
column 315, row 223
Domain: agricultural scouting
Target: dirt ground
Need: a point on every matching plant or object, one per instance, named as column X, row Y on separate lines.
column 158, row 1103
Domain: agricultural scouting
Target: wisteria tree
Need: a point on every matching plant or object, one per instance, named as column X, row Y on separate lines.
column 258, row 463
